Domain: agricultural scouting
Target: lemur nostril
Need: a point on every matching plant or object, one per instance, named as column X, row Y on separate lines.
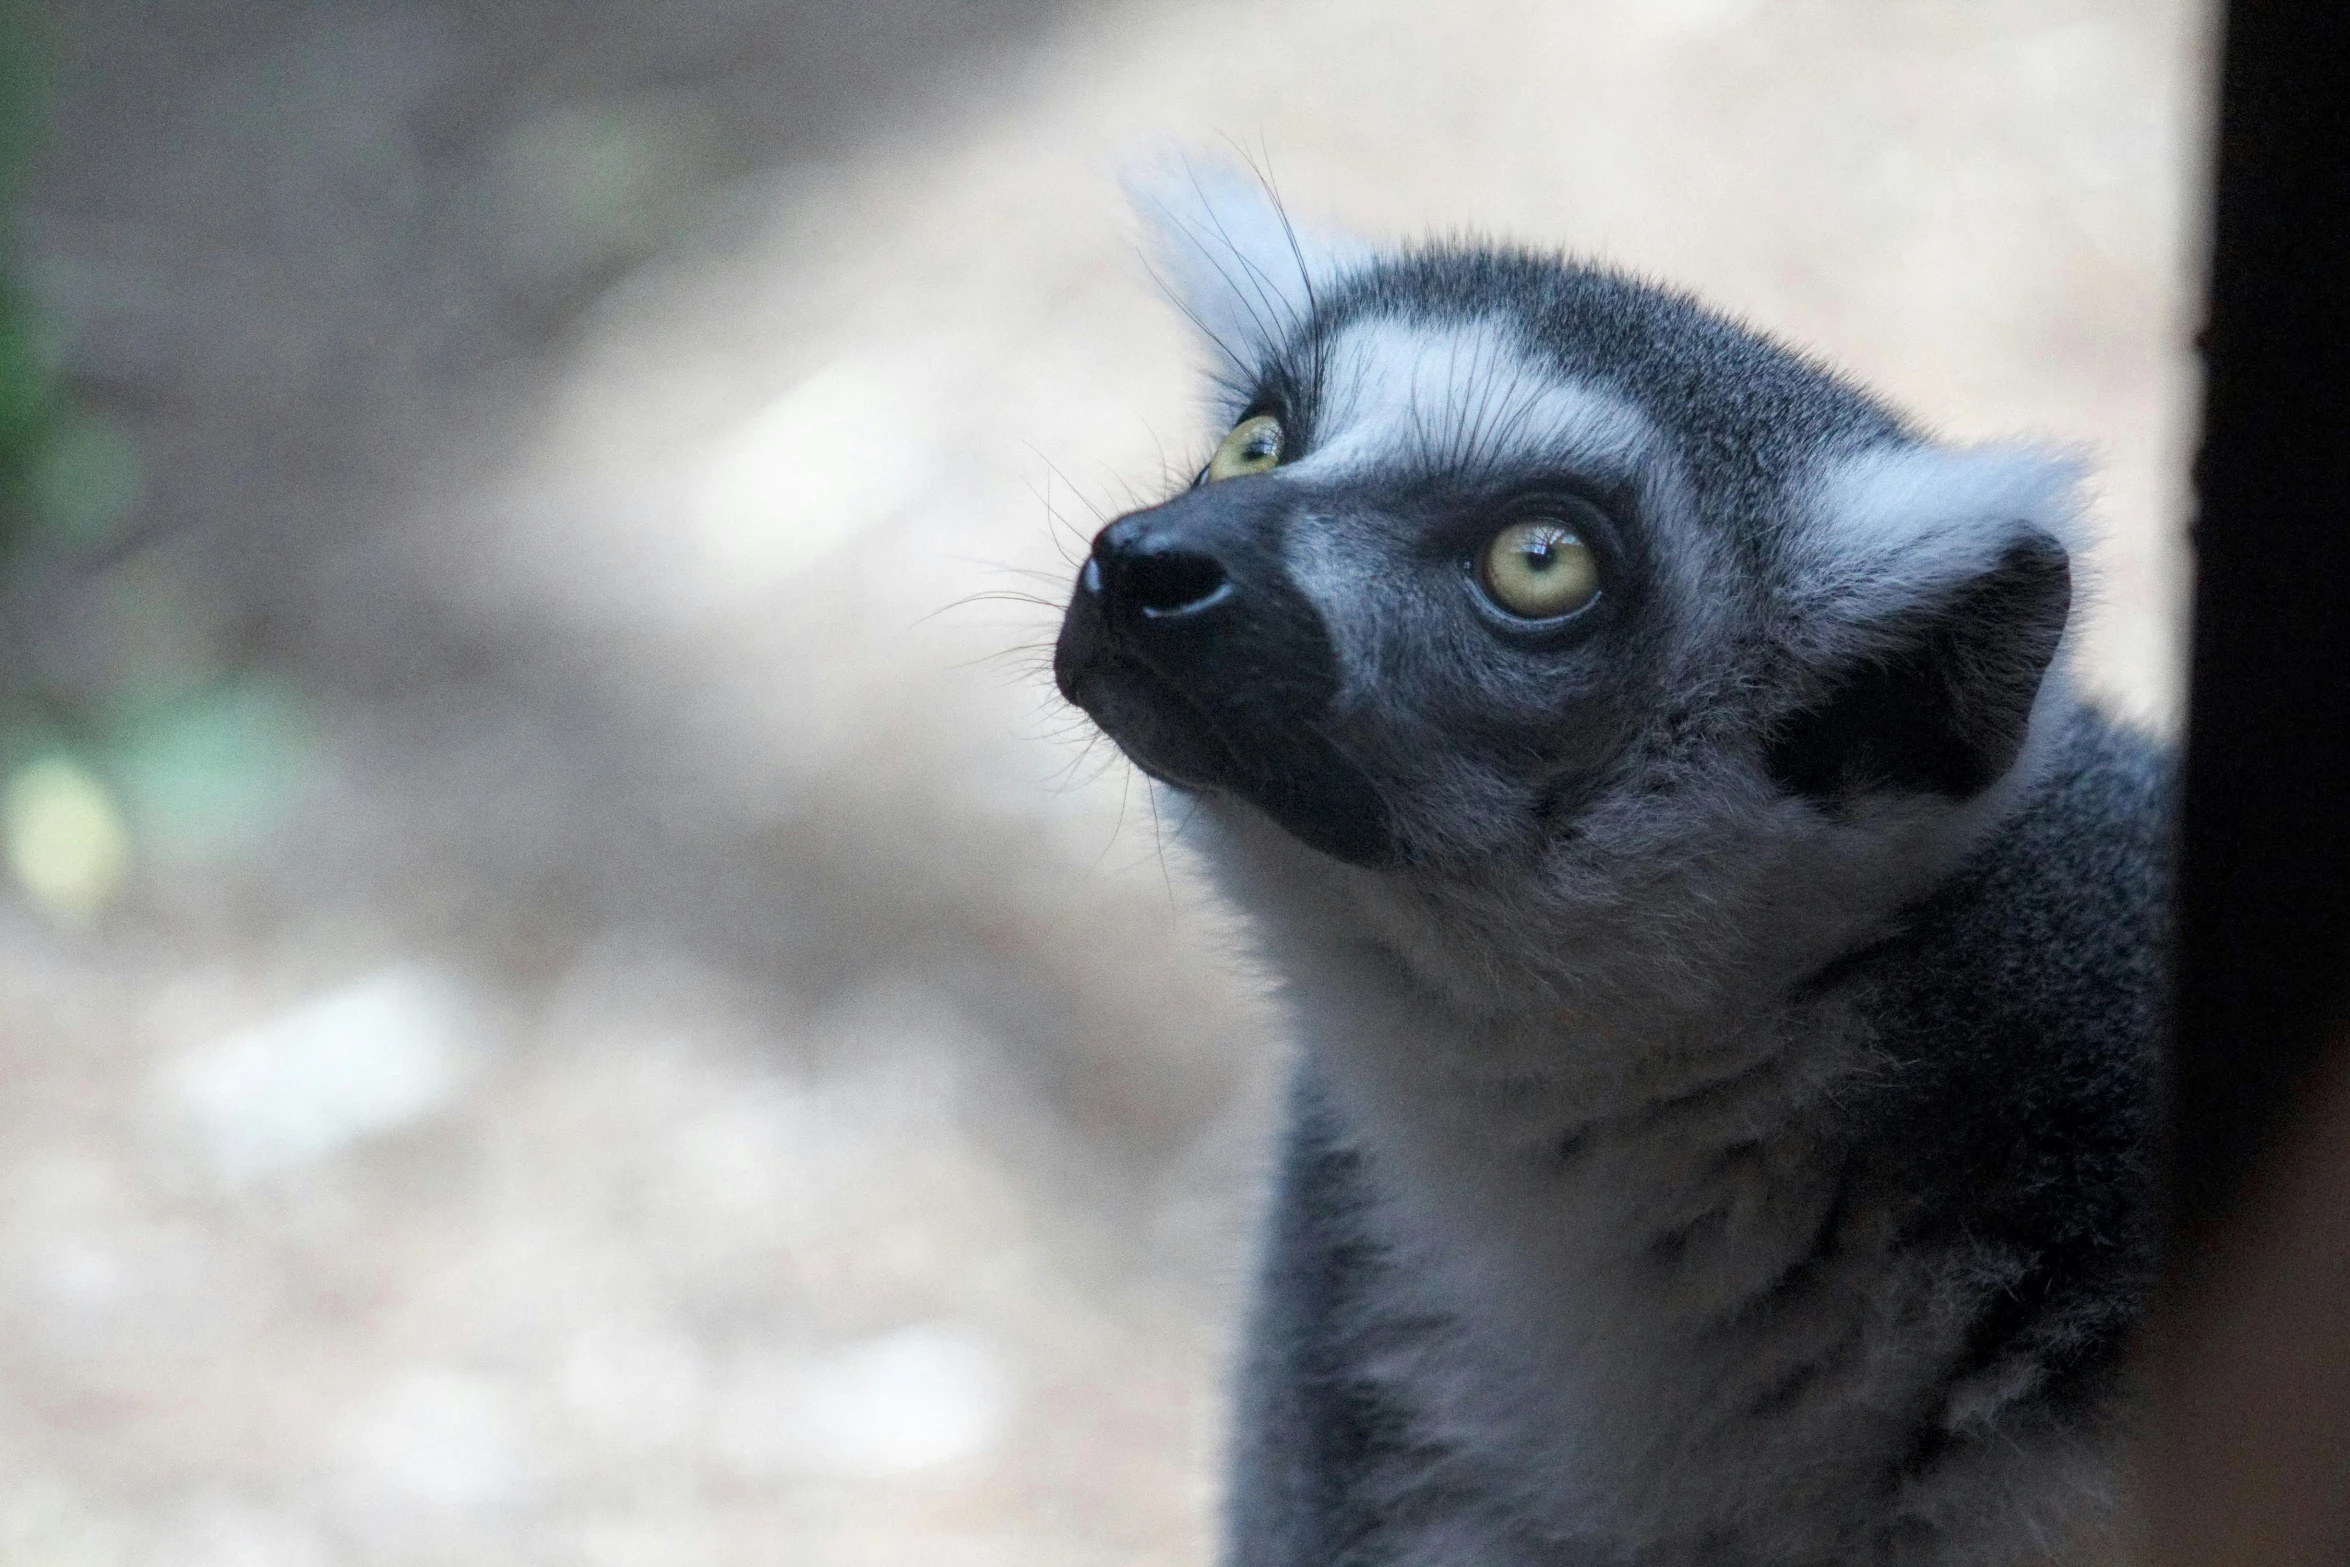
column 1171, row 582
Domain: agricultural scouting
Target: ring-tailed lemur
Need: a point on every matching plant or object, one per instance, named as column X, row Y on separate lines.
column 1728, row 957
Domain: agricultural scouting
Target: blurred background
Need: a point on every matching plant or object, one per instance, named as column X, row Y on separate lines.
column 567, row 993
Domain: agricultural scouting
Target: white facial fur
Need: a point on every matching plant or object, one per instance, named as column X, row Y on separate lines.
column 1896, row 527
column 1403, row 396
column 1234, row 263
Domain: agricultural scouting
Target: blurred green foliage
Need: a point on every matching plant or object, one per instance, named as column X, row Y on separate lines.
column 177, row 750
column 66, row 476
column 61, row 833
column 28, row 404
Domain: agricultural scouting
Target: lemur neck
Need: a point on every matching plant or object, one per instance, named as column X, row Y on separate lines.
column 1413, row 1066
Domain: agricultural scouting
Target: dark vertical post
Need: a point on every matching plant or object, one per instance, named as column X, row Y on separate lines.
column 2246, row 1445
column 2264, row 969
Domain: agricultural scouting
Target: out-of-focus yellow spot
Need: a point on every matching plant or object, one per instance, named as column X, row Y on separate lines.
column 67, row 845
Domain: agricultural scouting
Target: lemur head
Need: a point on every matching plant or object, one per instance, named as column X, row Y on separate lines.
column 1534, row 602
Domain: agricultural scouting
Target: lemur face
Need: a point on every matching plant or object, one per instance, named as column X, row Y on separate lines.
column 1415, row 567
column 1501, row 552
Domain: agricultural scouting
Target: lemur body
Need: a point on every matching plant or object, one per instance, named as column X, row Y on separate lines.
column 1727, row 957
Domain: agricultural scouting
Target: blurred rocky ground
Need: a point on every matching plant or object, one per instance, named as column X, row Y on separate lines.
column 568, row 995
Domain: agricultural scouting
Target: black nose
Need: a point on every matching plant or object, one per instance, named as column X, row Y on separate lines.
column 1137, row 570
column 1188, row 641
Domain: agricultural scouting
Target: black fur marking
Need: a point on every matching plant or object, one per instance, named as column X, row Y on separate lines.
column 1944, row 710
column 1669, row 1249
column 1787, row 1390
column 1312, row 1428
column 1188, row 644
column 1793, row 1282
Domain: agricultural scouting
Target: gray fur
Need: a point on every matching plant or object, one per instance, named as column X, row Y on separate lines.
column 1720, row 1131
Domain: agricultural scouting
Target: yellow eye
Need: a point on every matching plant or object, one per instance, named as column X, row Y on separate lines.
column 1540, row 569
column 1254, row 446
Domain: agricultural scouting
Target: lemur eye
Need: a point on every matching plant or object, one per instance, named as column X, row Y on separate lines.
column 1254, row 446
column 1540, row 569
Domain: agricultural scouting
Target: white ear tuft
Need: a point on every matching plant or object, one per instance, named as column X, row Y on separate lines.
column 1932, row 590
column 1231, row 257
column 1899, row 525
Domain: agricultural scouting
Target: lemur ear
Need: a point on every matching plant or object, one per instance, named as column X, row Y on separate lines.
column 1234, row 261
column 1932, row 590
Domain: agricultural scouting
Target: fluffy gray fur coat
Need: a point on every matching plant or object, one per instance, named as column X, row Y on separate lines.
column 1726, row 955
